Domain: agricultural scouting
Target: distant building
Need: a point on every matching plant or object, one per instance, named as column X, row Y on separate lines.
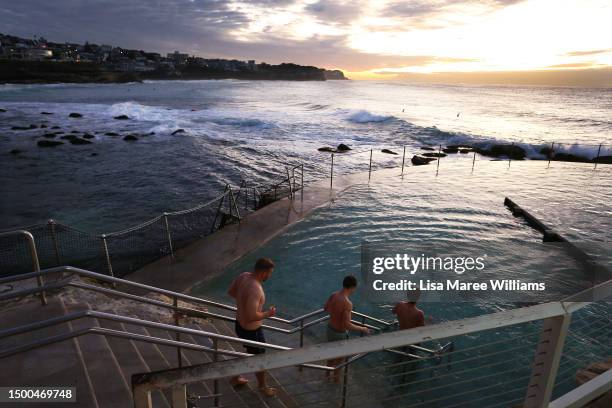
column 178, row 58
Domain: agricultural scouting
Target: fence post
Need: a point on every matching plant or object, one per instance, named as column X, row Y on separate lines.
column 177, row 323
column 546, row 361
column 216, row 381
column 179, row 396
column 142, row 398
column 51, row 224
column 345, row 386
column 331, row 173
column 233, row 202
column 550, row 154
column 473, row 161
column 403, row 160
column 439, row 154
column 107, row 255
column 212, row 228
column 35, row 264
column 370, row 170
column 302, row 181
column 510, row 155
column 596, row 158
column 168, row 235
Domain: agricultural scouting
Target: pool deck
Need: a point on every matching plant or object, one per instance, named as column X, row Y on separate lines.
column 209, row 256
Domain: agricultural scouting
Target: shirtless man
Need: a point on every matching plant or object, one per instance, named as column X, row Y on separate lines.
column 249, row 294
column 408, row 314
column 340, row 311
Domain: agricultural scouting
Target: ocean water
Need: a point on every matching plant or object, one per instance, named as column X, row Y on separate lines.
column 251, row 129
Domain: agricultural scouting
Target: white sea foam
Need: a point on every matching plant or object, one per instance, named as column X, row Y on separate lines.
column 363, row 116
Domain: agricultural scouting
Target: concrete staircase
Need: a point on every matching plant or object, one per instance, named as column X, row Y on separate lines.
column 100, row 367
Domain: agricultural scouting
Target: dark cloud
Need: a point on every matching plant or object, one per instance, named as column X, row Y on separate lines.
column 332, row 11
column 591, row 52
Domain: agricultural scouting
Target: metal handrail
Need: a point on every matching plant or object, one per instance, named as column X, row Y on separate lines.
column 33, row 254
column 176, row 295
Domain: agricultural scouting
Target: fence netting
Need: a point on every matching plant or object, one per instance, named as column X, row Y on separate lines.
column 119, row 253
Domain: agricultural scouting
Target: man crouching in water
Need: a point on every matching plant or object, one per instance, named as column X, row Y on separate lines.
column 340, row 311
column 249, row 294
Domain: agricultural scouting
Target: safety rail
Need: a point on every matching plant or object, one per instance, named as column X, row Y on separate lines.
column 121, row 252
column 555, row 318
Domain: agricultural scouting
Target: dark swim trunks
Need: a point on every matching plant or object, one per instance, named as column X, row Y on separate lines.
column 254, row 335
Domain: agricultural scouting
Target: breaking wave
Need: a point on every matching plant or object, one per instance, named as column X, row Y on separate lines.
column 363, row 116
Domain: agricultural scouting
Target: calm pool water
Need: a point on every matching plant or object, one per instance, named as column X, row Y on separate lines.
column 457, row 207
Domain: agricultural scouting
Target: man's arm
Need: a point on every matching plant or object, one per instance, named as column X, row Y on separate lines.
column 346, row 317
column 251, row 308
column 233, row 289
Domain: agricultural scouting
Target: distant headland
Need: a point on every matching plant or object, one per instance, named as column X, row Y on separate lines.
column 40, row 61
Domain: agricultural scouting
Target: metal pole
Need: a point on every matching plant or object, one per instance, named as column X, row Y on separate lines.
column 370, row 170
column 403, row 160
column 301, row 338
column 302, row 181
column 345, row 386
column 51, row 224
column 331, row 174
column 233, row 202
column 177, row 323
column 473, row 161
column 168, row 235
column 598, row 151
column 35, row 263
column 107, row 255
column 550, row 154
column 179, row 396
column 439, row 154
column 510, row 155
column 216, row 381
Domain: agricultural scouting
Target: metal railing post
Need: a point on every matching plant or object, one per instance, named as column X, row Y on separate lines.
column 370, row 169
column 550, row 154
column 177, row 323
column 363, row 322
column 168, row 235
column 179, row 396
column 474, row 161
column 510, row 155
column 142, row 398
column 233, row 202
column 403, row 160
column 546, row 361
column 345, row 386
column 439, row 154
column 216, row 381
column 51, row 224
column 301, row 338
column 596, row 158
column 331, row 173
column 109, row 266
column 302, row 181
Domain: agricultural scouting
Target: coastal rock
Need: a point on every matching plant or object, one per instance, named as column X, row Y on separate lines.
column 23, row 127
column 431, row 149
column 420, row 161
column 43, row 126
column 55, row 127
column 46, row 113
column 434, row 154
column 68, row 137
column 388, row 151
column 512, row 151
column 15, row 151
column 343, row 148
column 326, row 149
column 603, row 159
column 177, row 131
column 121, row 117
column 465, row 151
column 88, row 136
column 111, row 134
column 74, row 132
column 49, row 135
column 79, row 141
column 48, row 143
column 568, row 157
column 130, row 138
column 2, row 110
column 93, row 154
column 75, row 115
column 451, row 150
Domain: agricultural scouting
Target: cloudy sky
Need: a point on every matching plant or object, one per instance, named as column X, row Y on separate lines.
column 367, row 38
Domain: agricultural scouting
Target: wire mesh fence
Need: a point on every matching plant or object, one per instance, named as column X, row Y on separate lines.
column 119, row 253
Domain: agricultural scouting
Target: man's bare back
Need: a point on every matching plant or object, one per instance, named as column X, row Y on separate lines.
column 409, row 315
column 249, row 297
column 338, row 306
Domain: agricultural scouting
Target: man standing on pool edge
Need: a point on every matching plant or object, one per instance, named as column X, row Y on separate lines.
column 340, row 311
column 249, row 294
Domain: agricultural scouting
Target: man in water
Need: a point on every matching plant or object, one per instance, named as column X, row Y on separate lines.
column 249, row 294
column 340, row 311
column 408, row 314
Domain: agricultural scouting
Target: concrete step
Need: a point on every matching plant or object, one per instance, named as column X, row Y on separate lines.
column 59, row 364
column 110, row 386
column 129, row 358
